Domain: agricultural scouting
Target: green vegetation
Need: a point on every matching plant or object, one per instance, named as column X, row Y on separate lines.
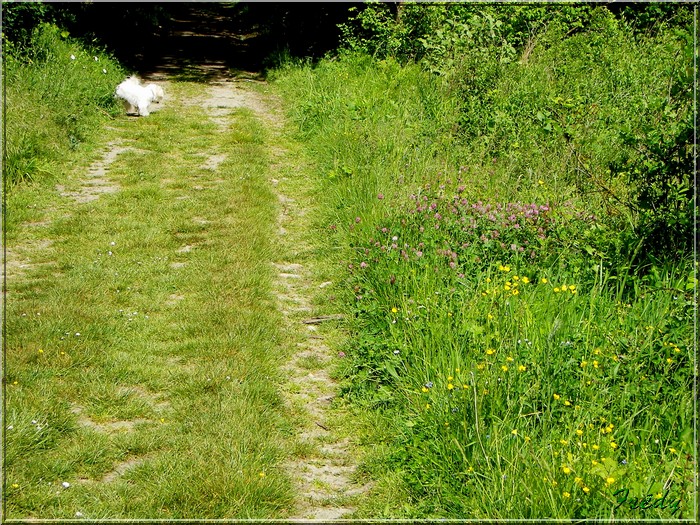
column 141, row 376
column 511, row 218
column 503, row 201
column 59, row 94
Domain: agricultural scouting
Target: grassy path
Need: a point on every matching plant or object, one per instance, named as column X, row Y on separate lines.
column 148, row 321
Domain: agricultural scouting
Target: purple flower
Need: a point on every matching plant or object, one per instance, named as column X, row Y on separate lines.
column 357, row 219
column 363, row 264
column 380, row 196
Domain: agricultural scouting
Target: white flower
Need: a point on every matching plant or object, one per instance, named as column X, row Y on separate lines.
column 34, row 421
column 77, row 334
column 10, row 427
column 95, row 58
column 78, row 514
column 72, row 57
column 65, row 484
column 104, row 71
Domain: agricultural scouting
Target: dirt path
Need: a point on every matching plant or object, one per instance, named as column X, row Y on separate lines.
column 323, row 471
column 322, row 459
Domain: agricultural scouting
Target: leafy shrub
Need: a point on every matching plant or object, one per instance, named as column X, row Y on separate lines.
column 600, row 98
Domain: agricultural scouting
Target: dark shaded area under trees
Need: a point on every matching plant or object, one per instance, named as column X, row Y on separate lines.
column 247, row 36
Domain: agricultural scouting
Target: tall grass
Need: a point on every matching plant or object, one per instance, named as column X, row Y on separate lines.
column 513, row 366
column 57, row 95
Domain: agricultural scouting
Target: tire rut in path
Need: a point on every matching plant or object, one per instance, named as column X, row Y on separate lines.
column 323, row 472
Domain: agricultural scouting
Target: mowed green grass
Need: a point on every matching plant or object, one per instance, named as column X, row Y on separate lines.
column 142, row 339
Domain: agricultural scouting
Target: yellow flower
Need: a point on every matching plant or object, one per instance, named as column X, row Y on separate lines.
column 613, row 445
column 554, row 483
column 563, row 442
column 516, row 292
column 543, row 280
column 586, row 490
column 579, row 432
column 583, row 364
column 504, row 368
column 506, row 287
column 556, row 290
column 470, row 469
column 669, row 360
column 567, row 403
column 672, row 450
column 521, row 368
column 15, row 486
column 525, row 280
column 262, row 474
column 527, row 438
column 594, row 462
column 566, row 470
column 490, row 351
column 557, row 396
column 595, row 447
column 424, row 389
column 595, row 364
column 610, row 481
column 450, row 378
column 450, row 386
column 566, row 495
column 427, row 406
column 41, row 351
column 540, row 182
column 394, row 310
column 480, row 366
column 488, row 279
column 509, row 359
column 578, row 480
column 516, row 278
column 514, row 431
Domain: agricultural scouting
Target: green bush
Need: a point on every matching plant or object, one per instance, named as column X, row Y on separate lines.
column 577, row 93
column 58, row 94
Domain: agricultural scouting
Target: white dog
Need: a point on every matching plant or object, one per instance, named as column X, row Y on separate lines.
column 136, row 97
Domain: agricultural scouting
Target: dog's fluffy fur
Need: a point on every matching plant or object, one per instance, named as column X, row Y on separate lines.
column 137, row 97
